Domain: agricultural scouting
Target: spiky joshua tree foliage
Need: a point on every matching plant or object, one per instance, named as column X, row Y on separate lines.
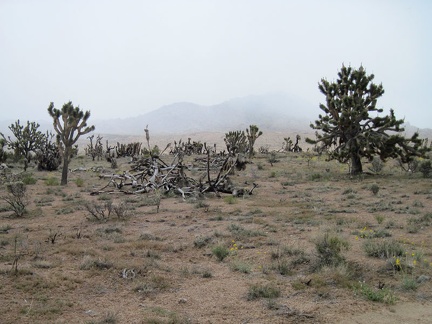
column 348, row 130
column 236, row 142
column 69, row 123
column 252, row 134
column 27, row 140
column 49, row 156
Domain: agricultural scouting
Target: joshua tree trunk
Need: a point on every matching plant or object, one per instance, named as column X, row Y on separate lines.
column 65, row 170
column 26, row 163
column 356, row 165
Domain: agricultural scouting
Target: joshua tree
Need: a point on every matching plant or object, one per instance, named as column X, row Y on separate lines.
column 351, row 132
column 252, row 134
column 287, row 144
column 296, row 147
column 49, row 155
column 69, row 123
column 236, row 142
column 3, row 153
column 27, row 139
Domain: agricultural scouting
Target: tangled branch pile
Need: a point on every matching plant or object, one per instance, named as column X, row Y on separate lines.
column 153, row 174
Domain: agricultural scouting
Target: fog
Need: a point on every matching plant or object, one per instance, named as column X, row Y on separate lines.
column 121, row 59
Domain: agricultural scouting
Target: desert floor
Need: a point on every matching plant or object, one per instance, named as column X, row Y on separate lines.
column 156, row 261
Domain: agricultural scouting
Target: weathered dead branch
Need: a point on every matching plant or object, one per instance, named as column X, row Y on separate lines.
column 150, row 174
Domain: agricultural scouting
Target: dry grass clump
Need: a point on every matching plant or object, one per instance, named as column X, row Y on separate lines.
column 89, row 262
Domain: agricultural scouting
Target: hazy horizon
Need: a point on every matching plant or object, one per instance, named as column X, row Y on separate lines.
column 122, row 59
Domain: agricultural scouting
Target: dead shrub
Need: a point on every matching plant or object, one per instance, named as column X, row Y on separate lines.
column 16, row 197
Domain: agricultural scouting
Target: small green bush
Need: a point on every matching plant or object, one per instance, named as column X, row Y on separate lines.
column 202, row 241
column 239, row 231
column 374, row 188
column 348, row 191
column 377, row 295
column 316, row 176
column 79, row 182
column 329, row 250
column 409, row 283
column 28, row 179
column 379, row 218
column 221, row 252
column 263, row 291
column 383, row 249
column 51, row 181
column 426, row 168
column 230, row 200
column 241, row 266
column 272, row 158
column 89, row 262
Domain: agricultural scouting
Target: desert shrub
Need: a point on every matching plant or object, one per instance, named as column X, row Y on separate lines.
column 108, row 318
column 103, row 211
column 263, row 291
column 377, row 295
column 89, row 262
column 51, row 181
column 220, row 252
column 28, row 179
column 425, row 220
column 16, row 197
column 202, row 241
column 329, row 250
column 409, row 283
column 282, row 251
column 153, row 284
column 349, row 191
column 99, row 212
column 230, row 200
column 374, row 188
column 426, row 168
column 152, row 254
column 315, row 176
column 283, row 267
column 383, row 249
column 240, row 231
column 202, row 204
column 379, row 218
column 240, row 266
column 79, row 182
column 149, row 237
column 5, row 228
column 272, row 158
column 376, row 165
column 367, row 233
column 121, row 210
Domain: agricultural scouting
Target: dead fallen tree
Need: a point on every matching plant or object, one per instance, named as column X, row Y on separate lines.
column 150, row 174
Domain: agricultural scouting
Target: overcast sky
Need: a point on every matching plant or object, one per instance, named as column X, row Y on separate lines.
column 125, row 58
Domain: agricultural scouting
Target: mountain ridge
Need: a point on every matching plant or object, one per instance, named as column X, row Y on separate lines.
column 276, row 112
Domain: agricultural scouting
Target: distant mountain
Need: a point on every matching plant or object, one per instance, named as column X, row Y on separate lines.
column 277, row 112
column 270, row 112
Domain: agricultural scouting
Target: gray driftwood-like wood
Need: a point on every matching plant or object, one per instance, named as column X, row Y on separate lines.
column 151, row 174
